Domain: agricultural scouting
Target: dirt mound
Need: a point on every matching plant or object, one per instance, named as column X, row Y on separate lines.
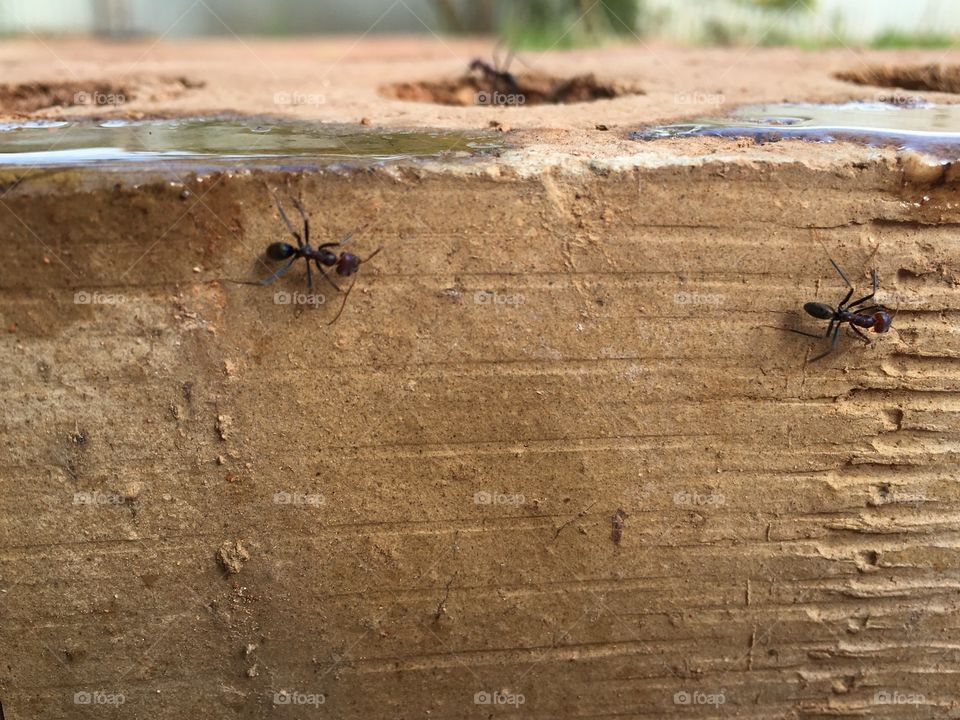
column 528, row 89
column 933, row 78
column 32, row 97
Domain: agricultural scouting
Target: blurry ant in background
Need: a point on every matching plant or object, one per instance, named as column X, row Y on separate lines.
column 498, row 75
column 345, row 264
column 856, row 314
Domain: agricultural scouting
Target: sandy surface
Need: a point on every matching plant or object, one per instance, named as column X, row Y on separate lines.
column 558, row 448
column 341, row 80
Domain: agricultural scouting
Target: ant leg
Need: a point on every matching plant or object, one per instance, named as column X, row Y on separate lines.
column 833, row 344
column 345, row 239
column 873, row 275
column 801, row 332
column 842, row 274
column 860, row 334
column 836, row 267
column 279, row 272
column 798, row 332
column 309, row 276
column 327, row 277
column 509, row 76
column 306, row 221
column 842, row 304
column 286, row 220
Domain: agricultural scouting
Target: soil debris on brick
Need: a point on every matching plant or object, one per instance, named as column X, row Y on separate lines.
column 531, row 89
column 932, row 77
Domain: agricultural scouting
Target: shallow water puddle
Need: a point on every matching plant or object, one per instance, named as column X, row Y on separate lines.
column 923, row 127
column 218, row 143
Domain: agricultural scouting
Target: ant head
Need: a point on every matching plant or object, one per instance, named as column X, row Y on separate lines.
column 882, row 321
column 348, row 264
column 280, row 251
column 819, row 310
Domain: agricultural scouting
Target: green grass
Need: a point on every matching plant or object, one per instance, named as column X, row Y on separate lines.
column 807, row 42
column 564, row 24
column 897, row 40
column 543, row 24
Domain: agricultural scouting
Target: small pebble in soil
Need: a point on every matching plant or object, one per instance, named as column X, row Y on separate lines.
column 232, row 556
column 223, row 426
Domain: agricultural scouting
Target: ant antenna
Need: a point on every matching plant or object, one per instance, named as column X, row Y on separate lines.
column 349, row 289
column 509, row 61
column 519, row 59
column 349, row 236
column 343, row 304
column 497, row 49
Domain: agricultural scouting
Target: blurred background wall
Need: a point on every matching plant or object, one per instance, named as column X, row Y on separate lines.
column 815, row 22
column 215, row 17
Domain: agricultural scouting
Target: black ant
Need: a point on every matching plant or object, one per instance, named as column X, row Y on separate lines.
column 868, row 317
column 345, row 264
column 497, row 74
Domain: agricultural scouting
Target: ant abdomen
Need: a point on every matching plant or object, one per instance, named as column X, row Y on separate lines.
column 819, row 310
column 280, row 251
column 881, row 322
